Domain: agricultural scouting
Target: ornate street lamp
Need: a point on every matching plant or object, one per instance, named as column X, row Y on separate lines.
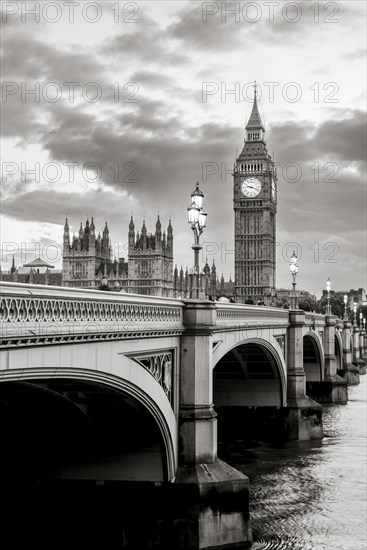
column 345, row 307
column 197, row 220
column 364, row 324
column 360, row 320
column 294, row 270
column 355, row 314
column 328, row 288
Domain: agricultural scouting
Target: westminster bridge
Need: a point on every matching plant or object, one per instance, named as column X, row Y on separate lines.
column 103, row 387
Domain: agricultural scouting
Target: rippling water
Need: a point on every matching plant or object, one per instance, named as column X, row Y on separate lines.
column 310, row 495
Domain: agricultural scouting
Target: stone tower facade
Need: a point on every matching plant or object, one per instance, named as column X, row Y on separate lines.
column 151, row 260
column 87, row 260
column 255, row 206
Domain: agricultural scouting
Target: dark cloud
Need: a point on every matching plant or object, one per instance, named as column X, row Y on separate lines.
column 146, row 44
column 342, row 139
column 29, row 64
column 260, row 24
column 52, row 206
column 26, row 58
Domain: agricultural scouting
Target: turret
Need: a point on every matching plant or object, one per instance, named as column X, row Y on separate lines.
column 158, row 231
column 105, row 248
column 92, row 237
column 186, row 280
column 86, row 236
column 214, row 272
column 144, row 235
column 206, row 269
column 170, row 236
column 131, row 235
column 255, row 130
column 175, row 278
column 66, row 240
column 213, row 281
column 74, row 242
column 13, row 268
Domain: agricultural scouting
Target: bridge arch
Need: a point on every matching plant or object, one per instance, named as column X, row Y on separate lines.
column 251, row 372
column 313, row 357
column 140, row 393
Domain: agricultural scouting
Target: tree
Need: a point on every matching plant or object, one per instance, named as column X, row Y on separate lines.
column 307, row 303
column 336, row 303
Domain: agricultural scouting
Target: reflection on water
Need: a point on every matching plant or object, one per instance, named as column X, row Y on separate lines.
column 310, row 495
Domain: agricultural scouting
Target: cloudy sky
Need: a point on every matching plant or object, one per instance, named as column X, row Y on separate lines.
column 133, row 102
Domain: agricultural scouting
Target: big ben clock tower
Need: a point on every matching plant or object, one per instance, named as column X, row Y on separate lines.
column 255, row 206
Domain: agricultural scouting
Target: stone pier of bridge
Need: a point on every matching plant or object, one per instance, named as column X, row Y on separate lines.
column 350, row 371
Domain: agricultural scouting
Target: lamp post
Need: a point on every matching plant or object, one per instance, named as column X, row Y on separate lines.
column 294, row 270
column 354, row 314
column 345, row 318
column 360, row 320
column 364, row 324
column 328, row 288
column 197, row 220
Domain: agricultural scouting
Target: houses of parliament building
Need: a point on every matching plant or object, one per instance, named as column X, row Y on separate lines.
column 149, row 269
column 87, row 260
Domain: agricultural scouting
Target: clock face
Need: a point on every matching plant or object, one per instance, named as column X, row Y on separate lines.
column 273, row 189
column 250, row 187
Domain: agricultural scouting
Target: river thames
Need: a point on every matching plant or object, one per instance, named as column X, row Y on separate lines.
column 310, row 495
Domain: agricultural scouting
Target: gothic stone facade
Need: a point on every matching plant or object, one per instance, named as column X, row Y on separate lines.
column 150, row 264
column 212, row 287
column 255, row 206
column 87, row 260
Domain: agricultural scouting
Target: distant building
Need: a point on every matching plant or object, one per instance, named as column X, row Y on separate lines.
column 87, row 260
column 150, row 269
column 357, row 296
column 37, row 272
column 213, row 287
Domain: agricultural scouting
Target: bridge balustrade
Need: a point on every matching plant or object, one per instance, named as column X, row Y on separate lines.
column 235, row 315
column 37, row 314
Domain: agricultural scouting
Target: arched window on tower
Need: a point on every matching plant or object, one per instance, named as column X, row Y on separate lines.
column 144, row 268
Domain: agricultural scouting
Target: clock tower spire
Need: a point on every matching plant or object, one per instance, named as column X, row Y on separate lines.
column 254, row 202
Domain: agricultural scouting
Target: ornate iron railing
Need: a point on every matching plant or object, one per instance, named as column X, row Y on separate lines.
column 42, row 314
